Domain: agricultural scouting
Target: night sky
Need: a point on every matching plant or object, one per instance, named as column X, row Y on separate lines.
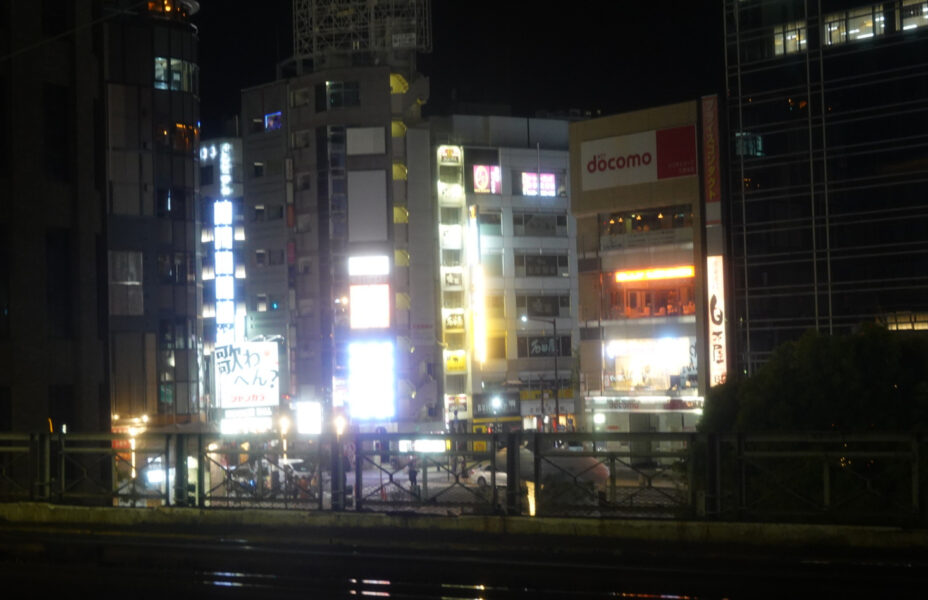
column 598, row 56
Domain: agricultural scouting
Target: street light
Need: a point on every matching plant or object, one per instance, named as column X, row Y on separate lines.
column 557, row 383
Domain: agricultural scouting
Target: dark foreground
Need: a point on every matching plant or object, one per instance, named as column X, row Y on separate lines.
column 423, row 559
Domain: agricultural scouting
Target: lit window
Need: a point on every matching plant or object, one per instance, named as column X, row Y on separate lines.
column 273, row 121
column 914, row 14
column 125, row 273
column 789, row 38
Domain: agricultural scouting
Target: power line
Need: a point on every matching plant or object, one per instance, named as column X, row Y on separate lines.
column 115, row 13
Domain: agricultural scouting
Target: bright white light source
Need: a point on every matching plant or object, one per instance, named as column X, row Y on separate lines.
column 370, row 380
column 225, row 288
column 225, row 265
column 309, row 417
column 222, row 212
column 599, row 418
column 370, row 306
column 368, row 265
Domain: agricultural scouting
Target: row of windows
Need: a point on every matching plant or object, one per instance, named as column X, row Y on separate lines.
column 524, row 224
column 526, row 265
column 852, row 25
column 644, row 220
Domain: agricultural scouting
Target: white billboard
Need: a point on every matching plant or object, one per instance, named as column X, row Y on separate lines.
column 718, row 350
column 247, row 375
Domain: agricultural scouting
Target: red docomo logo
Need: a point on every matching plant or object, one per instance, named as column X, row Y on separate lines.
column 616, row 163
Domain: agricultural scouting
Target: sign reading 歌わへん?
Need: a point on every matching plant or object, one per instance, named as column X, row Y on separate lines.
column 247, row 374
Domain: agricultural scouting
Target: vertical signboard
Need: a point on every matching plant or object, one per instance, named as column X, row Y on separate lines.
column 718, row 360
column 712, row 184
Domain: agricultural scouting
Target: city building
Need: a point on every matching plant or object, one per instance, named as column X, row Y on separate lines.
column 508, row 272
column 826, row 103
column 102, row 323
column 53, row 287
column 646, row 195
column 151, row 101
column 338, row 214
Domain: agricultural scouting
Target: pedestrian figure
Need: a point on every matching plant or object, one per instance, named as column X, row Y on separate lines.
column 413, row 473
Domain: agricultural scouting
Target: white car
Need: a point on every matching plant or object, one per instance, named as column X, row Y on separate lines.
column 482, row 474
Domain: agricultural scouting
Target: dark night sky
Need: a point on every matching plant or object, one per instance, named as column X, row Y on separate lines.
column 592, row 55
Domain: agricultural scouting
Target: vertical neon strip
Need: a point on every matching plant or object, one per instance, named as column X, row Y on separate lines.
column 228, row 328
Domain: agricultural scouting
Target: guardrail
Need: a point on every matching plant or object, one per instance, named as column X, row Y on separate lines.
column 833, row 478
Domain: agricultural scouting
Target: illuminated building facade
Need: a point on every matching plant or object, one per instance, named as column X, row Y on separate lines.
column 507, row 251
column 100, row 193
column 646, row 194
column 151, row 81
column 339, row 249
column 826, row 102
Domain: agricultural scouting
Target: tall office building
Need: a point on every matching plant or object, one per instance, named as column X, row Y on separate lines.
column 151, row 88
column 646, row 194
column 53, row 319
column 331, row 199
column 507, row 252
column 98, row 293
column 826, row 109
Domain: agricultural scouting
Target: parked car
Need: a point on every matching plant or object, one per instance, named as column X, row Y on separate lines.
column 482, row 474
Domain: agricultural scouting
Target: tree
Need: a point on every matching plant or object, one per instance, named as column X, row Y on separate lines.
column 870, row 380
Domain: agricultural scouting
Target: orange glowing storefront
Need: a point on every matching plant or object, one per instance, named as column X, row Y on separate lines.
column 645, row 193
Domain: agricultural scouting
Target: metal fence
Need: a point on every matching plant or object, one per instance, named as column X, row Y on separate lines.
column 868, row 479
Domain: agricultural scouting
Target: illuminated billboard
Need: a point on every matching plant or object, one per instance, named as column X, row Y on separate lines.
column 635, row 158
column 371, row 380
column 361, row 266
column 247, row 375
column 655, row 274
column 530, row 185
column 718, row 360
column 370, row 306
column 487, row 179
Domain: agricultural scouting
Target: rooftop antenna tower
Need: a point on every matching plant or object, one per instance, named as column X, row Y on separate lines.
column 333, row 33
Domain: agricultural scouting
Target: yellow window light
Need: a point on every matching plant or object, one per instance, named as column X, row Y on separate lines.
column 397, row 129
column 399, row 172
column 655, row 274
column 400, row 215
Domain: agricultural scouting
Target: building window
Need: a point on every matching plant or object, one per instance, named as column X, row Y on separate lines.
column 273, row 121
column 539, row 224
column 914, row 14
column 543, row 305
column 337, row 94
column 496, row 347
column 261, row 302
column 789, row 38
column 58, row 284
column 541, row 265
column 450, row 215
column 258, row 169
column 172, row 268
column 643, row 221
column 453, row 300
column 456, row 384
column 450, row 258
column 260, row 257
column 207, row 175
column 489, row 223
column 495, row 306
column 176, row 74
column 301, row 97
column 126, row 289
column 492, row 264
column 748, row 144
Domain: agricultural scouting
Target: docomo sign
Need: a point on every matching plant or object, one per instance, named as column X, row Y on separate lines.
column 638, row 158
